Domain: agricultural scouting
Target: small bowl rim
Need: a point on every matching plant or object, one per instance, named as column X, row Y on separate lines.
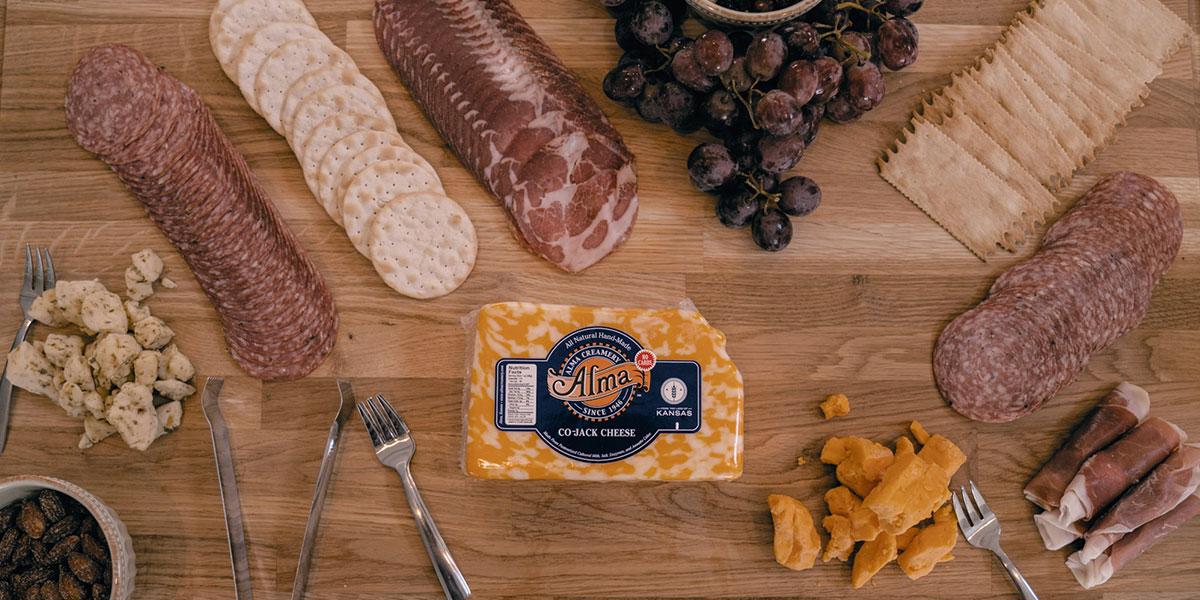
column 69, row 489
column 774, row 17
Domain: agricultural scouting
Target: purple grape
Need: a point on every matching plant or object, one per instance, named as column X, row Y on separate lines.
column 864, row 86
column 675, row 44
column 778, row 113
column 769, row 182
column 802, row 39
column 688, row 72
column 737, row 78
column 897, row 41
column 902, row 8
column 652, row 23
column 772, row 229
column 710, row 166
column 839, row 110
column 677, row 107
column 625, row 84
column 649, row 105
column 738, row 205
column 777, row 154
column 829, row 78
column 799, row 196
column 813, row 113
column 852, row 47
column 623, row 31
column 765, row 56
column 743, row 144
column 721, row 111
column 714, row 52
column 800, row 79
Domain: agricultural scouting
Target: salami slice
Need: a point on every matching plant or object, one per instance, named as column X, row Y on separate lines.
column 1089, row 283
column 162, row 142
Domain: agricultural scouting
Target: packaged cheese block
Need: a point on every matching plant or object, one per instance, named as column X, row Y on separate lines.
column 570, row 392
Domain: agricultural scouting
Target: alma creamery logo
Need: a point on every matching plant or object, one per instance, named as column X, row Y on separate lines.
column 600, row 375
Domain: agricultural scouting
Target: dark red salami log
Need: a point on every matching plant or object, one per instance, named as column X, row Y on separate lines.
column 1088, row 284
column 157, row 135
column 519, row 120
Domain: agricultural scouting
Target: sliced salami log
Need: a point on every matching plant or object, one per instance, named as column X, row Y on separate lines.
column 161, row 140
column 1089, row 283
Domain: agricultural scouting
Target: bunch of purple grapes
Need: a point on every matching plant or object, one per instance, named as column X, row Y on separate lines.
column 763, row 94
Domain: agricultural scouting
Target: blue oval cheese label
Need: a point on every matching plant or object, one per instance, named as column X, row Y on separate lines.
column 599, row 396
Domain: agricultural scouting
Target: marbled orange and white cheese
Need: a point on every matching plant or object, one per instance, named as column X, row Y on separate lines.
column 526, row 330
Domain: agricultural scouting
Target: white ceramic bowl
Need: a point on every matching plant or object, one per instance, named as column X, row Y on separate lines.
column 715, row 12
column 120, row 547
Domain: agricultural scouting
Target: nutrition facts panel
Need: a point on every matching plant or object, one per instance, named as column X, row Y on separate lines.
column 520, row 394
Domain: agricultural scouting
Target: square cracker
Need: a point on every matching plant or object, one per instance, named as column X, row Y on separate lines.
column 954, row 189
column 1091, row 36
column 1148, row 24
column 1035, row 151
column 997, row 80
column 1127, row 91
column 1037, row 201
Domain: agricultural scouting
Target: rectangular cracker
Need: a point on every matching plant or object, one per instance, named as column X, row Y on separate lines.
column 1066, row 131
column 1126, row 91
column 1033, row 55
column 953, row 188
column 1147, row 24
column 1057, row 99
column 1038, row 153
column 1092, row 37
column 1037, row 202
column 996, row 80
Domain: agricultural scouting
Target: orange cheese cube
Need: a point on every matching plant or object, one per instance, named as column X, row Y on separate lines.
column 872, row 557
column 835, row 405
column 918, row 431
column 931, row 545
column 796, row 541
column 841, row 541
column 860, row 462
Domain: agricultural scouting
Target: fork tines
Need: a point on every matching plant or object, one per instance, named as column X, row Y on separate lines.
column 37, row 280
column 383, row 423
column 977, row 511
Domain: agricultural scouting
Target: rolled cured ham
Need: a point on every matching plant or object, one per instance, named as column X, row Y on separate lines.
column 1111, row 471
column 519, row 119
column 1171, row 482
column 1095, row 572
column 1121, row 410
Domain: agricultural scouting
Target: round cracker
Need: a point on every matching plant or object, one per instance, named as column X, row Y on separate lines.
column 423, row 245
column 375, row 154
column 318, row 80
column 337, row 99
column 326, row 134
column 338, row 155
column 284, row 66
column 232, row 21
column 374, row 188
column 257, row 46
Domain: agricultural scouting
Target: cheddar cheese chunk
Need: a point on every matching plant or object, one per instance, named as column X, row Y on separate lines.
column 571, row 392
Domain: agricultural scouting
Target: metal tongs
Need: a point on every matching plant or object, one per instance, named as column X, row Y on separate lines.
column 226, row 478
column 346, row 397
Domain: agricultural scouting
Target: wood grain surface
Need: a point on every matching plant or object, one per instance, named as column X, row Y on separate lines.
column 853, row 306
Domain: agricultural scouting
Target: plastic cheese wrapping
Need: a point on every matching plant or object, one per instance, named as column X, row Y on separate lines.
column 571, row 392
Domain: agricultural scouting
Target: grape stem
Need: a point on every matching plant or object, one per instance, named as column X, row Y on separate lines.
column 745, row 100
column 754, row 185
column 874, row 12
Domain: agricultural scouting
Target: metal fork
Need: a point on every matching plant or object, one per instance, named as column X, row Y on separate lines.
column 982, row 530
column 394, row 446
column 35, row 282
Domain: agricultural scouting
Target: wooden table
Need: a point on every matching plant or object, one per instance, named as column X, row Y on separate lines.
column 853, row 306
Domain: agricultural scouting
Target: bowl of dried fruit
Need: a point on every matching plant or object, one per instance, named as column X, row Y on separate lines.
column 749, row 13
column 63, row 541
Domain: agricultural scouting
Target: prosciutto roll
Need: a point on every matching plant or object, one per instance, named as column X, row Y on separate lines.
column 1121, row 410
column 1095, row 572
column 1159, row 493
column 1111, row 471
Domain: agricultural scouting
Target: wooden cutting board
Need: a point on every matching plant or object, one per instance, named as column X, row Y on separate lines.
column 853, row 306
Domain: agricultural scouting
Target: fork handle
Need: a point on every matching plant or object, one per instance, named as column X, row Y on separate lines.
column 452, row 580
column 1018, row 579
column 6, row 387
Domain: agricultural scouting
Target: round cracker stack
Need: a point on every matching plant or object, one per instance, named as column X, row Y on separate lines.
column 358, row 166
